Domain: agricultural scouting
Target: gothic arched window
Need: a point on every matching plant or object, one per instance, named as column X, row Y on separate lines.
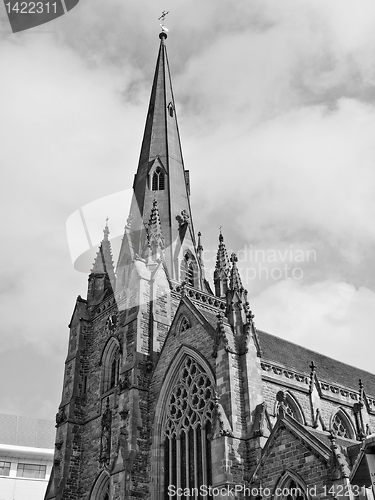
column 111, row 363
column 289, row 488
column 158, row 180
column 100, row 490
column 115, row 369
column 341, row 426
column 187, row 447
column 290, row 407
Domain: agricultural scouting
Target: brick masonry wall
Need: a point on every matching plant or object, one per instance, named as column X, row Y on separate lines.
column 289, row 453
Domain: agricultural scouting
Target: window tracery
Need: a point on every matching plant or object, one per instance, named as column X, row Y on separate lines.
column 340, row 426
column 290, row 407
column 158, row 180
column 184, row 325
column 187, row 448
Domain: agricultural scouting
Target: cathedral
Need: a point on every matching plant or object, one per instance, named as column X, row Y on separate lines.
column 171, row 391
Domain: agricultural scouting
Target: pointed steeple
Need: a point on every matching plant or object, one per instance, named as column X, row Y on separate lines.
column 102, row 277
column 222, row 269
column 161, row 176
column 103, row 262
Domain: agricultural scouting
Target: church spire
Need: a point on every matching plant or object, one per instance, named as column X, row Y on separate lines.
column 161, row 176
column 102, row 277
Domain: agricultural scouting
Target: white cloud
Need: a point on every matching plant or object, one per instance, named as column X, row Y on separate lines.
column 275, row 110
column 325, row 317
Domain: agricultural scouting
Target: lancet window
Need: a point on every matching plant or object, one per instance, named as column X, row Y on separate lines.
column 115, row 369
column 158, row 180
column 170, row 109
column 111, row 363
column 290, row 489
column 187, row 446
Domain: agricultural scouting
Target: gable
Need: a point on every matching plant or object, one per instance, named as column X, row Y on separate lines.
column 198, row 335
column 284, row 451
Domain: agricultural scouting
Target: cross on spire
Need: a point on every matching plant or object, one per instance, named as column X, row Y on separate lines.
column 162, row 19
column 163, row 15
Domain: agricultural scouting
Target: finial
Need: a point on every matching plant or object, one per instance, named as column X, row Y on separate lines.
column 200, row 248
column 106, row 229
column 164, row 30
column 221, row 238
column 360, row 391
column 312, row 366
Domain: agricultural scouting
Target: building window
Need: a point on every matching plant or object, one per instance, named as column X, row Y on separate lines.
column 31, row 470
column 4, row 468
column 340, row 426
column 290, row 406
column 288, row 409
column 158, row 180
column 111, row 364
column 291, row 490
column 184, row 325
column 187, row 447
column 115, row 369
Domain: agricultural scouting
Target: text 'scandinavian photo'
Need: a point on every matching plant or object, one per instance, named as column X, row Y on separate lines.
column 188, row 274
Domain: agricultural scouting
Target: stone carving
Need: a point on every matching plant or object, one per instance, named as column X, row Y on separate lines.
column 105, row 441
column 124, row 382
column 60, row 417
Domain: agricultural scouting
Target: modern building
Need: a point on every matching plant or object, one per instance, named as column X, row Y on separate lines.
column 170, row 388
column 26, row 456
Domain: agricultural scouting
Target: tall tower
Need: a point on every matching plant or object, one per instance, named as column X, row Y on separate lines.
column 117, row 333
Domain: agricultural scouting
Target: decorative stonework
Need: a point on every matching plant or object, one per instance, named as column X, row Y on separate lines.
column 111, row 323
column 105, row 440
column 60, row 417
column 277, row 370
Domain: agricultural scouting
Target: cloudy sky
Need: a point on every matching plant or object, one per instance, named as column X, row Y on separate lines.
column 275, row 100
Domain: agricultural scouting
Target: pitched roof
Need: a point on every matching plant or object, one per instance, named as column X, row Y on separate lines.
column 294, row 356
